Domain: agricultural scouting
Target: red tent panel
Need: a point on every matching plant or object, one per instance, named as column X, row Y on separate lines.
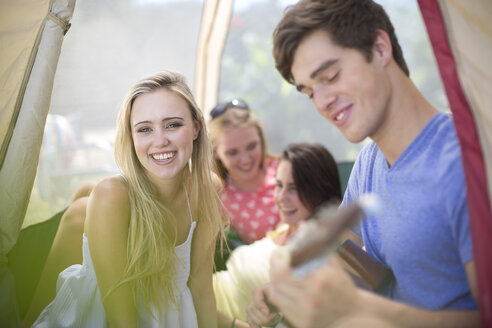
column 476, row 180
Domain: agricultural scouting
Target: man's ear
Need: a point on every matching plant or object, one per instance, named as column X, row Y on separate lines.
column 382, row 48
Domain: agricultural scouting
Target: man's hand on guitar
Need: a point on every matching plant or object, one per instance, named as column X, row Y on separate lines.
column 318, row 299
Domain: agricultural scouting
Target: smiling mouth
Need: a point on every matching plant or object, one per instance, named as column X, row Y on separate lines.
column 339, row 116
column 289, row 212
column 163, row 156
column 246, row 169
column 342, row 114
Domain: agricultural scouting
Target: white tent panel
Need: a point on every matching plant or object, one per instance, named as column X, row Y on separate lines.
column 470, row 36
column 19, row 168
column 215, row 24
column 20, row 24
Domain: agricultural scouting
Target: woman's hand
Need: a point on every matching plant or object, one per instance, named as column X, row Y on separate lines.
column 258, row 312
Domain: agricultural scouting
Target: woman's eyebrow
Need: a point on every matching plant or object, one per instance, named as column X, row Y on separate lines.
column 163, row 120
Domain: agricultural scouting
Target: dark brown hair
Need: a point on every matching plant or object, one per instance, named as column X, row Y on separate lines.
column 350, row 23
column 315, row 174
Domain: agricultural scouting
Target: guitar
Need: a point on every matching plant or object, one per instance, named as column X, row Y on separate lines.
column 318, row 238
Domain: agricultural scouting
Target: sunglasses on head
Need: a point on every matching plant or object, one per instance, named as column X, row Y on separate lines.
column 221, row 108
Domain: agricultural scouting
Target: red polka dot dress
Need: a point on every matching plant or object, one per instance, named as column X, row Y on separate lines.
column 253, row 214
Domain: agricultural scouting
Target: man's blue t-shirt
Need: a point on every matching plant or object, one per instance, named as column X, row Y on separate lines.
column 423, row 232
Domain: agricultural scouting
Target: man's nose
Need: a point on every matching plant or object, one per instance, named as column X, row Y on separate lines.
column 323, row 97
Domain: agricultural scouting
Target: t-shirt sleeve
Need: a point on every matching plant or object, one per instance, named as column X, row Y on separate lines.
column 463, row 233
column 460, row 224
column 352, row 191
column 454, row 189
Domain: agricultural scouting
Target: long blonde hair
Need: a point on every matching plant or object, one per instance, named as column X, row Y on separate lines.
column 152, row 228
column 234, row 118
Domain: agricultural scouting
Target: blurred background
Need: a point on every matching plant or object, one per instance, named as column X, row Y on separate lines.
column 111, row 44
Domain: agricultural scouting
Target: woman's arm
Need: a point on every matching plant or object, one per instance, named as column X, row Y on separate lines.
column 200, row 282
column 65, row 251
column 106, row 228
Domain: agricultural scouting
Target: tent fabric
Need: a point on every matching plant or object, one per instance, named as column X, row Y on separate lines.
column 461, row 72
column 469, row 32
column 31, row 43
column 28, row 256
column 21, row 23
column 19, row 168
column 9, row 311
column 213, row 33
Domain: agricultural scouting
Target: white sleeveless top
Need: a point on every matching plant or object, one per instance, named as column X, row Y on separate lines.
column 78, row 300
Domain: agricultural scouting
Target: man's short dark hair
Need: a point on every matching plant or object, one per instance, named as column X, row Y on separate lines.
column 350, row 23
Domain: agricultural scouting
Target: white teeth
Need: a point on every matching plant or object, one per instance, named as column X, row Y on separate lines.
column 340, row 116
column 163, row 157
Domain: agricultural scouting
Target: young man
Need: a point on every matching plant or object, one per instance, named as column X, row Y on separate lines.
column 345, row 56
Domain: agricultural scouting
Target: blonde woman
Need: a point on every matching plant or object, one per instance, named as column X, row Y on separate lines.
column 150, row 233
column 246, row 169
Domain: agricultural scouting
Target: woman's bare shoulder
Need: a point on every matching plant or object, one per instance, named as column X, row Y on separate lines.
column 108, row 205
column 111, row 189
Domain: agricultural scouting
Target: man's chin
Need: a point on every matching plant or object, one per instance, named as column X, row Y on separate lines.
column 354, row 138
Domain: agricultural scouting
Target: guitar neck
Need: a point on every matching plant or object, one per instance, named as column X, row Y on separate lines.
column 318, row 238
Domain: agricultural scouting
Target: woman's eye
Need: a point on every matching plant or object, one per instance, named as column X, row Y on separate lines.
column 174, row 125
column 251, row 146
column 143, row 130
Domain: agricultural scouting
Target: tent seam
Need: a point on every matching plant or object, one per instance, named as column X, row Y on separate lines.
column 65, row 25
